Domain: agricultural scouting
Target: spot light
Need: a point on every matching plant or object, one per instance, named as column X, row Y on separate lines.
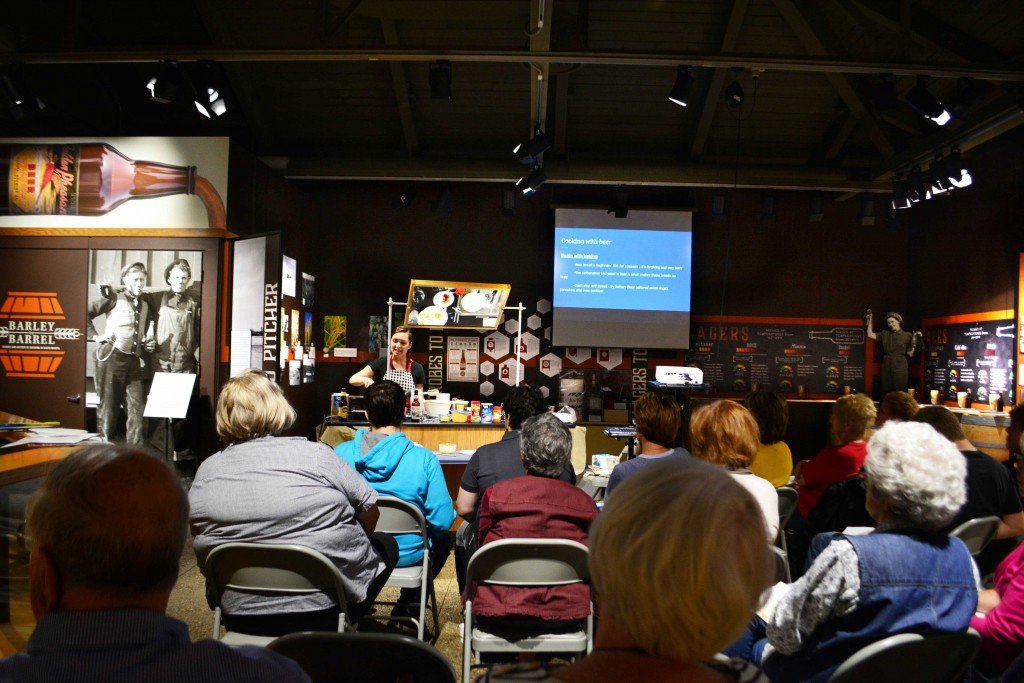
column 734, row 94
column 680, row 93
column 528, row 152
column 620, row 202
column 531, row 183
column 900, row 199
column 207, row 97
column 926, row 104
column 165, row 86
column 957, row 173
column 440, row 78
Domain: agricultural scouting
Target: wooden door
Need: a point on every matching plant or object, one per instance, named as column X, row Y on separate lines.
column 43, row 333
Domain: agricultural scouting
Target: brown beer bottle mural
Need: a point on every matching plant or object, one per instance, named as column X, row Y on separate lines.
column 90, row 180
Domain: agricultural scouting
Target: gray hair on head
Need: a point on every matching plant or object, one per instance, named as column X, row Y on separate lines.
column 918, row 473
column 546, row 445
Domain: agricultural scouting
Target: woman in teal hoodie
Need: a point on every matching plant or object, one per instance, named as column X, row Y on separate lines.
column 395, row 466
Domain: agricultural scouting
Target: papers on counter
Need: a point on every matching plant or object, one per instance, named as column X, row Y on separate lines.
column 47, row 438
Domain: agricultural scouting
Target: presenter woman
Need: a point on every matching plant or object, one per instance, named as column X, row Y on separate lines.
column 398, row 367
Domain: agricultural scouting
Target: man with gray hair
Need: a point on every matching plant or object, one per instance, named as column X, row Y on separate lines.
column 107, row 528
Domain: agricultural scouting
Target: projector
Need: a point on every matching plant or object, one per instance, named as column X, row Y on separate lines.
column 679, row 376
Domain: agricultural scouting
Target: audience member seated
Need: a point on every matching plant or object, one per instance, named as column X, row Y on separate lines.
column 725, row 434
column 536, row 505
column 108, row 526
column 1000, row 617
column 264, row 488
column 850, row 416
column 1014, row 439
column 395, row 466
column 774, row 460
column 657, row 418
column 990, row 489
column 897, row 405
column 493, row 463
column 672, row 594
column 908, row 576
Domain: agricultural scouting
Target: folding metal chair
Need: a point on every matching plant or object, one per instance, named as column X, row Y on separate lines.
column 361, row 657
column 976, row 533
column 526, row 562
column 400, row 517
column 911, row 658
column 270, row 569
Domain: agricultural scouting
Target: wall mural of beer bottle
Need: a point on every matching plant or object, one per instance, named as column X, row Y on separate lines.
column 92, row 179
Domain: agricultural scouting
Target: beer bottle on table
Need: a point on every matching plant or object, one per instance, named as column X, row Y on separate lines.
column 82, row 179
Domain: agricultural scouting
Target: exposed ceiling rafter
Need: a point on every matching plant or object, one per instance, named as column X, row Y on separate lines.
column 707, row 114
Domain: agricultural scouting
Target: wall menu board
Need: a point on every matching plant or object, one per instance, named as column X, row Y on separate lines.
column 973, row 356
column 823, row 355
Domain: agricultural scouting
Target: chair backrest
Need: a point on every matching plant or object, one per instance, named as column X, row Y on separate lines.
column 400, row 517
column 976, row 533
column 358, row 657
column 529, row 562
column 781, row 565
column 787, row 504
column 910, row 658
column 266, row 568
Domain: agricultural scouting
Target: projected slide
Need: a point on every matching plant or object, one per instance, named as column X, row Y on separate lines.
column 622, row 282
column 622, row 269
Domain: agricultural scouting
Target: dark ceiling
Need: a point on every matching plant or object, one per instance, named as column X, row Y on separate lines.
column 339, row 88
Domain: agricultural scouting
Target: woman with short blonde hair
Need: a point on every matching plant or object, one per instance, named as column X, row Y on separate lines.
column 265, row 488
column 850, row 417
column 725, row 434
column 250, row 407
column 672, row 594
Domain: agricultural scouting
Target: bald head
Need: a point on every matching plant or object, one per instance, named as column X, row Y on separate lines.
column 113, row 519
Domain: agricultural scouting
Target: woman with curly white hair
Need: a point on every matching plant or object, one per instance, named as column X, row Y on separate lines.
column 906, row 576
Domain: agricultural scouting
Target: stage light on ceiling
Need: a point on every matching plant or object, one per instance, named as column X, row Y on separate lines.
column 207, row 97
column 440, row 78
column 20, row 99
column 680, row 93
column 166, row 84
column 528, row 152
column 956, row 171
column 531, row 183
column 883, row 93
column 405, row 198
column 620, row 202
column 926, row 104
column 940, row 183
column 916, row 190
column 734, row 94
column 900, row 199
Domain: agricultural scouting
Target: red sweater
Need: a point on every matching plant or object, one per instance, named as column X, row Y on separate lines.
column 534, row 507
column 831, row 465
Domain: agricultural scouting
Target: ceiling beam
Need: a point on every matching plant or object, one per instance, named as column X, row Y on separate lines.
column 401, row 86
column 805, row 64
column 576, row 172
column 336, row 20
column 842, row 135
column 707, row 112
column 816, row 45
column 925, row 29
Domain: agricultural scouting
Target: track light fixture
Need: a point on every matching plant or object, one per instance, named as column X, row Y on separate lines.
column 945, row 175
column 166, row 84
column 734, row 95
column 440, row 79
column 20, row 100
column 680, row 93
column 207, row 96
column 926, row 104
column 900, row 200
column 530, row 184
column 620, row 202
column 405, row 198
column 529, row 152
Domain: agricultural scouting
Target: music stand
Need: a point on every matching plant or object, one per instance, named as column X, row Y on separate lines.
column 169, row 396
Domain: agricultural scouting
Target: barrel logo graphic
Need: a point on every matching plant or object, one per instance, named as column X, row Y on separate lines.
column 32, row 334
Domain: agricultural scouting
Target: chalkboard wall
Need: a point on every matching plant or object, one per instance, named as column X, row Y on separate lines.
column 976, row 357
